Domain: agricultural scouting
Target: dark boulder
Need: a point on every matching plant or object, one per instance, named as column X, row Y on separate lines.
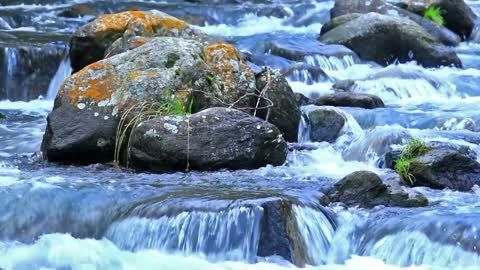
column 346, row 99
column 458, row 15
column 2, row 116
column 213, row 139
column 325, row 124
column 279, row 235
column 305, row 73
column 337, row 21
column 366, row 189
column 285, row 112
column 445, row 168
column 297, row 50
column 386, row 39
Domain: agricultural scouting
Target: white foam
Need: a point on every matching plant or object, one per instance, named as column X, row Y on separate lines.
column 60, row 251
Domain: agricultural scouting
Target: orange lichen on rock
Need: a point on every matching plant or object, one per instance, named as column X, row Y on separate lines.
column 172, row 23
column 140, row 42
column 224, row 59
column 148, row 21
column 83, row 86
column 137, row 74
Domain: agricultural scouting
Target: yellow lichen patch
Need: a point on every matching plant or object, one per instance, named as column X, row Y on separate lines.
column 142, row 20
column 137, row 74
column 117, row 21
column 221, row 52
column 172, row 23
column 140, row 42
column 94, row 82
column 224, row 59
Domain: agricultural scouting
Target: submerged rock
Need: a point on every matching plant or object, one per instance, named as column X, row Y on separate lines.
column 306, row 73
column 79, row 10
column 385, row 39
column 458, row 124
column 285, row 112
column 89, row 43
column 213, row 139
column 82, row 126
column 325, row 124
column 348, row 99
column 279, row 234
column 2, row 116
column 297, row 50
column 366, row 189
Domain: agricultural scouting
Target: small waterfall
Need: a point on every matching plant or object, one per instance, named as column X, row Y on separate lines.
column 304, row 129
column 64, row 70
column 317, row 231
column 415, row 248
column 11, row 61
column 330, row 63
column 231, row 234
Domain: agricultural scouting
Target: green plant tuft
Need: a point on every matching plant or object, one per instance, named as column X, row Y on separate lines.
column 171, row 60
column 413, row 149
column 139, row 113
column 434, row 14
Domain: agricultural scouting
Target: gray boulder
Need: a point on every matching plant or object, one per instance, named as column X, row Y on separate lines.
column 385, row 39
column 349, row 99
column 325, row 124
column 213, row 139
column 89, row 43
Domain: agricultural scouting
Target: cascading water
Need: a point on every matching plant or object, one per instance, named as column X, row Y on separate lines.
column 231, row 234
column 61, row 217
column 64, row 70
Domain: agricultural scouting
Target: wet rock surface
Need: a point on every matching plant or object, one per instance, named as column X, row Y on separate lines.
column 366, row 189
column 401, row 39
column 325, row 124
column 349, row 99
column 213, row 139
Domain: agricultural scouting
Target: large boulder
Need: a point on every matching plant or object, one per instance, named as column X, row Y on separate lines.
column 445, row 168
column 285, row 112
column 82, row 126
column 213, row 139
column 385, row 39
column 349, row 99
column 458, row 16
column 347, row 10
column 325, row 124
column 366, row 189
column 88, row 43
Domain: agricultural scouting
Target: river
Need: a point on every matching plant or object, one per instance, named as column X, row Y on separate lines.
column 96, row 217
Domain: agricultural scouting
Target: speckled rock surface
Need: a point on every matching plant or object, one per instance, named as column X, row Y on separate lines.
column 81, row 128
column 89, row 43
column 212, row 139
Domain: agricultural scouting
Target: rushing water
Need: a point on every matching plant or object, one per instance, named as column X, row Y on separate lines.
column 95, row 217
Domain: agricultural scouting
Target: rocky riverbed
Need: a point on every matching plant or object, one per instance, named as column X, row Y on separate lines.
column 239, row 135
